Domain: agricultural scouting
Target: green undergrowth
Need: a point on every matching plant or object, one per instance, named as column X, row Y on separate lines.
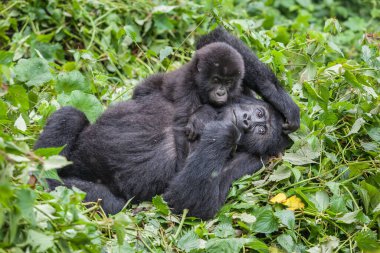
column 90, row 54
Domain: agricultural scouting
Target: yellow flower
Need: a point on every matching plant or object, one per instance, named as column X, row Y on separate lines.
column 279, row 198
column 294, row 203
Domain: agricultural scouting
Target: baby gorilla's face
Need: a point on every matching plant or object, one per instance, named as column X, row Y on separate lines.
column 261, row 127
column 220, row 70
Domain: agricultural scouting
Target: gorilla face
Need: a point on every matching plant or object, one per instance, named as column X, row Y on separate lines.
column 261, row 126
column 220, row 69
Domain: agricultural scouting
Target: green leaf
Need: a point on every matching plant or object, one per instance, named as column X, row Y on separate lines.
column 356, row 126
column 70, row 81
column 224, row 230
column 40, row 241
column 297, row 159
column 231, row 245
column 257, row 245
column 33, row 72
column 367, row 240
column 351, row 79
column 165, row 52
column 190, row 241
column 266, row 222
column 6, row 57
column 3, row 110
column 287, row 218
column 18, row 97
column 55, row 162
column 20, row 123
column 374, row 133
column 281, row 173
column 330, row 243
column 349, row 218
column 321, row 201
column 287, row 242
column 86, row 103
column 25, row 203
column 48, row 151
column 161, row 205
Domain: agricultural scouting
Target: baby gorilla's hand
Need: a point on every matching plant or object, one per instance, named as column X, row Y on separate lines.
column 194, row 129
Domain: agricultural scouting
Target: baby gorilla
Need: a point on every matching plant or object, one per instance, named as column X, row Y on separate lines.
column 212, row 77
column 130, row 152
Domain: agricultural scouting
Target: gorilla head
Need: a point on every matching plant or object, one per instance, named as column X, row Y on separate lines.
column 220, row 70
column 262, row 126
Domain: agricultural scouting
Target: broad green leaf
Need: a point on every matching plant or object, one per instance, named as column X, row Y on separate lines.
column 297, row 159
column 161, row 205
column 351, row 79
column 33, row 72
column 48, row 151
column 20, row 123
column 189, row 241
column 231, row 245
column 70, row 81
column 356, row 126
column 287, row 242
column 55, row 162
column 330, row 243
column 5, row 57
column 40, row 240
column 86, row 103
column 286, row 217
column 224, row 230
column 281, row 173
column 18, row 97
column 266, row 222
column 321, row 201
column 349, row 218
column 257, row 245
column 367, row 240
column 374, row 133
column 25, row 199
column 165, row 52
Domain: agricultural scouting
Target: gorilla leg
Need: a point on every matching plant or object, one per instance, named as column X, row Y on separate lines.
column 63, row 128
column 110, row 203
column 258, row 77
column 196, row 187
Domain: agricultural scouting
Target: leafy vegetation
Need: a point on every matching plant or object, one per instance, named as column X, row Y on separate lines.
column 322, row 196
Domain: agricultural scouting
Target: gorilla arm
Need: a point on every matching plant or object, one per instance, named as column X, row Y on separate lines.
column 203, row 184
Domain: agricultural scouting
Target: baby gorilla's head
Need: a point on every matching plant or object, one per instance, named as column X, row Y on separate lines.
column 219, row 70
column 261, row 126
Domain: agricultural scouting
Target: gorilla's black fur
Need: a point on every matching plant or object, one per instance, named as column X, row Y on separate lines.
column 213, row 77
column 130, row 152
column 258, row 77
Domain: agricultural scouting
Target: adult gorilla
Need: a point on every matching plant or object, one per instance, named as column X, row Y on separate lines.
column 130, row 152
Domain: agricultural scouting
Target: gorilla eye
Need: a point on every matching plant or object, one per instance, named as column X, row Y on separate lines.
column 260, row 114
column 215, row 80
column 229, row 82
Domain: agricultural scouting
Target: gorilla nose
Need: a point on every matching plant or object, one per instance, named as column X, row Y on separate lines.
column 221, row 93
